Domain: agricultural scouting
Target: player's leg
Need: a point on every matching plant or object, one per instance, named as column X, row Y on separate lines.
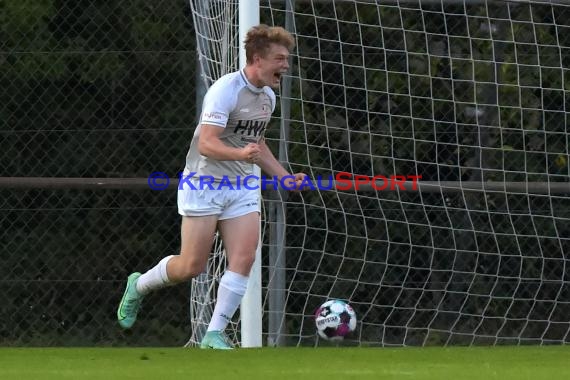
column 197, row 238
column 197, row 235
column 200, row 212
column 241, row 237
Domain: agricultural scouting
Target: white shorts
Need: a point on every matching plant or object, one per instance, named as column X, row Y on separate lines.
column 225, row 202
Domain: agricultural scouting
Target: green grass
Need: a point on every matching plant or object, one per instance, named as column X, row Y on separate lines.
column 504, row 363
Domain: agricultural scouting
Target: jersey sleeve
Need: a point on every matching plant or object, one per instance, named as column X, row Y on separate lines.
column 218, row 104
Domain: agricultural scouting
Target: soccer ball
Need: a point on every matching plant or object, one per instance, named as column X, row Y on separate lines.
column 335, row 319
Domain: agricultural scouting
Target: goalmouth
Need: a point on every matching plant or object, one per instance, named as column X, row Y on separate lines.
column 469, row 95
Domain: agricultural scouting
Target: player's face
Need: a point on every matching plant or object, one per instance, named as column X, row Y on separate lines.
column 272, row 67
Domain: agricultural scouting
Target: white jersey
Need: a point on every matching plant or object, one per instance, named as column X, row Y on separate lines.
column 244, row 111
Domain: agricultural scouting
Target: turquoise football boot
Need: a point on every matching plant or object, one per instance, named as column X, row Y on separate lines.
column 130, row 304
column 216, row 340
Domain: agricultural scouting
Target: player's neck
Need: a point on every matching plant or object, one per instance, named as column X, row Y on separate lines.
column 251, row 75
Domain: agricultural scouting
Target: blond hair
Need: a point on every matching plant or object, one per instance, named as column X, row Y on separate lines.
column 258, row 39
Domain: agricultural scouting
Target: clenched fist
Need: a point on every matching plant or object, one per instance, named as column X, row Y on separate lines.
column 251, row 153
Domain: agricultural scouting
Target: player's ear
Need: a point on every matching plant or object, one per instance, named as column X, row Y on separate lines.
column 256, row 58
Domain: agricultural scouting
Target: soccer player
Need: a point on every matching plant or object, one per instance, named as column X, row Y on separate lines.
column 227, row 142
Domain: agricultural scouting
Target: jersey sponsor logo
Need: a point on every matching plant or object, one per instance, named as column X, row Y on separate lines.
column 250, row 127
column 213, row 115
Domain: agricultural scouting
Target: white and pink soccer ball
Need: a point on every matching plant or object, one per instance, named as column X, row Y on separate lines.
column 335, row 319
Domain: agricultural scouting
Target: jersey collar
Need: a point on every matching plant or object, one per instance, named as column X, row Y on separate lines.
column 248, row 83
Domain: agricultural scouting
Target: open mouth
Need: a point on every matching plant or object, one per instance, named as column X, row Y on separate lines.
column 277, row 76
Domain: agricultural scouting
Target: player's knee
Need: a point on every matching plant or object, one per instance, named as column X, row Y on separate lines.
column 244, row 260
column 188, row 269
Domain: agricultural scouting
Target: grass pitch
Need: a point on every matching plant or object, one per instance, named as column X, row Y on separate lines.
column 504, row 363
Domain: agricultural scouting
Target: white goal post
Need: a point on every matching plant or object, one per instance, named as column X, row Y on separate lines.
column 251, row 328
column 471, row 95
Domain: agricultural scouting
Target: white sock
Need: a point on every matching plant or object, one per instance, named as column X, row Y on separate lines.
column 230, row 292
column 154, row 278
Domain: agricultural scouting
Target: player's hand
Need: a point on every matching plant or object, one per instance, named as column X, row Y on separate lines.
column 251, row 153
column 299, row 178
column 294, row 182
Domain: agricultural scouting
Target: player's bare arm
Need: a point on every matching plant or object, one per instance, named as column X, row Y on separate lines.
column 211, row 146
column 272, row 167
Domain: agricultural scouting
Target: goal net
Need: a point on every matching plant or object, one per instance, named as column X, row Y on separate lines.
column 470, row 95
